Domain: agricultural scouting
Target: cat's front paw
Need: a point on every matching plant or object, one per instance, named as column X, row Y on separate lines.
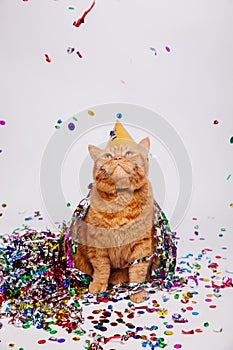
column 139, row 297
column 96, row 287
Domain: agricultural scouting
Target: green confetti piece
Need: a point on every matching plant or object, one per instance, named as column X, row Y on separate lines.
column 68, row 204
column 231, row 140
column 25, row 326
column 223, row 229
column 71, row 8
column 53, row 331
column 228, row 177
column 75, row 119
column 48, row 329
column 206, row 324
column 57, row 127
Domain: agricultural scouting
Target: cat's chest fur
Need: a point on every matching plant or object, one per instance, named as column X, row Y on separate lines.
column 115, row 228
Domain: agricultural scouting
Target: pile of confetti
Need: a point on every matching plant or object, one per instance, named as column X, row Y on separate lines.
column 40, row 288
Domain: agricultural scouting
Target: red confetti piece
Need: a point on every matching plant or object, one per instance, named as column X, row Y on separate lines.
column 212, row 306
column 216, row 122
column 218, row 257
column 213, row 265
column 79, row 54
column 41, row 341
column 194, row 218
column 189, row 308
column 47, row 58
column 198, row 330
column 188, row 332
column 81, row 19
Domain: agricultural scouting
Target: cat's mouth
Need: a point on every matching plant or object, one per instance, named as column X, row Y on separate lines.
column 120, row 166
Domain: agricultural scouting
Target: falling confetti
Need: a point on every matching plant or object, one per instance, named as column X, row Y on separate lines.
column 79, row 54
column 91, row 113
column 119, row 116
column 47, row 58
column 229, row 176
column 231, row 140
column 231, row 205
column 71, row 126
column 216, row 122
column 71, row 8
column 2, row 122
column 70, row 50
column 82, row 19
column 167, row 48
column 153, row 49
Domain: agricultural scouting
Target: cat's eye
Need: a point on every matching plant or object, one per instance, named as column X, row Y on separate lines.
column 108, row 155
column 128, row 154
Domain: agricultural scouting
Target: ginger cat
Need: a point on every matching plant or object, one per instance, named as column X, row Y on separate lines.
column 118, row 227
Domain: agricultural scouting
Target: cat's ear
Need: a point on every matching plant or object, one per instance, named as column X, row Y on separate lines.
column 145, row 143
column 94, row 151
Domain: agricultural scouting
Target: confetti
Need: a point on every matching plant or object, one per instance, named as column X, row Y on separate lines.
column 187, row 332
column 71, row 8
column 118, row 115
column 91, row 113
column 70, row 50
column 47, row 58
column 123, row 81
column 2, row 122
column 216, row 122
column 82, row 19
column 68, row 204
column 231, row 140
column 153, row 49
column 218, row 330
column 177, row 346
column 71, row 126
column 61, row 340
column 198, row 330
column 167, row 48
column 79, row 54
column 229, row 176
column 231, row 205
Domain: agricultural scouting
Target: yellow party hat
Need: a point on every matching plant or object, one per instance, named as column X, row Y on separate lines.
column 119, row 135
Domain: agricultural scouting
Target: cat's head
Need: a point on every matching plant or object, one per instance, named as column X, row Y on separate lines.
column 120, row 167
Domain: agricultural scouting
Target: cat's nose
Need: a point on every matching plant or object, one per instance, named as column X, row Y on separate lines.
column 118, row 158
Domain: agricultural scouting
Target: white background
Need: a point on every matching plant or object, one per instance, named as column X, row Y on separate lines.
column 190, row 87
